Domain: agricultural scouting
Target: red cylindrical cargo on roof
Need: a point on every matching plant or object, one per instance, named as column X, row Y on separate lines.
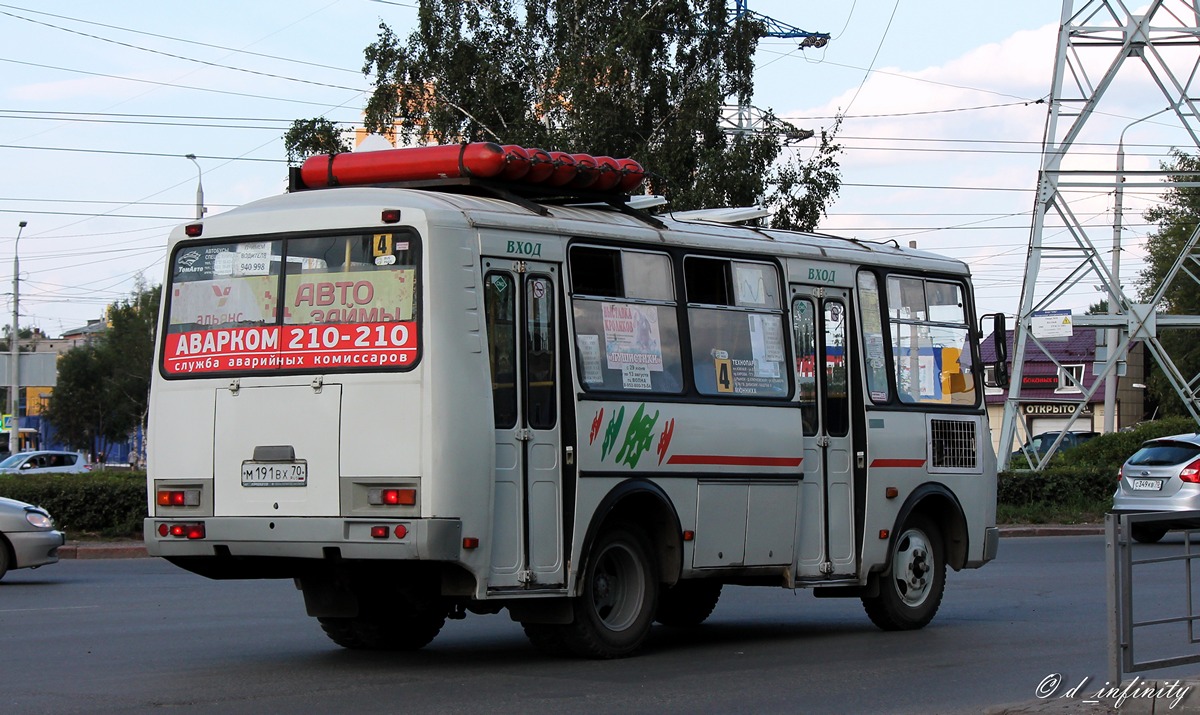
column 450, row 161
column 610, row 174
column 565, row 169
column 541, row 166
column 516, row 162
column 589, row 171
column 632, row 174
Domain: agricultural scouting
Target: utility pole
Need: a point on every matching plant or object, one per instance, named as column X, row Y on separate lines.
column 747, row 119
column 14, row 397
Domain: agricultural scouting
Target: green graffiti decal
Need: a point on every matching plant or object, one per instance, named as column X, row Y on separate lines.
column 638, row 437
column 611, row 431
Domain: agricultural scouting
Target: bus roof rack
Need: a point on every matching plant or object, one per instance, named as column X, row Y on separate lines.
column 727, row 214
column 531, row 197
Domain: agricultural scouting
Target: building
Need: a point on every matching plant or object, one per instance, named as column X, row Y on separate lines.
column 1050, row 391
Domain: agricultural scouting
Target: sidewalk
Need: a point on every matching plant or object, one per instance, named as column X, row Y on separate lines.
column 1136, row 696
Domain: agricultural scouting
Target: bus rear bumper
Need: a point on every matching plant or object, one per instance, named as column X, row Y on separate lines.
column 305, row 538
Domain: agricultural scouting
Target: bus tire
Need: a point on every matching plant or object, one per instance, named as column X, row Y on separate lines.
column 612, row 617
column 405, row 625
column 687, row 603
column 910, row 591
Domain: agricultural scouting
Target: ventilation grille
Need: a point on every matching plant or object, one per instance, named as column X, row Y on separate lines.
column 953, row 444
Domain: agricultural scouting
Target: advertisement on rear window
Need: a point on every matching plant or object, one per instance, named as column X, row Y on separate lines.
column 291, row 347
column 345, row 302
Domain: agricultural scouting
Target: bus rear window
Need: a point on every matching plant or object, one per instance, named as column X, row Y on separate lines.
column 343, row 301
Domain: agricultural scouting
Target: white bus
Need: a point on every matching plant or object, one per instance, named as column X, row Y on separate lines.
column 420, row 402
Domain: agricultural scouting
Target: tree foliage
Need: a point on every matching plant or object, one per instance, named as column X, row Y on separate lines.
column 1177, row 217
column 103, row 387
column 643, row 78
column 312, row 136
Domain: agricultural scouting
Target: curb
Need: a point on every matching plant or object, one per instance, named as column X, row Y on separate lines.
column 1052, row 530
column 112, row 550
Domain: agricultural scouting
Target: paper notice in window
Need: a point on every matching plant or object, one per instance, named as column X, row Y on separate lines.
column 635, row 377
column 589, row 358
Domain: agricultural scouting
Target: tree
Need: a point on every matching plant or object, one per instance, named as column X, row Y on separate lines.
column 103, row 389
column 644, row 78
column 1177, row 217
column 312, row 136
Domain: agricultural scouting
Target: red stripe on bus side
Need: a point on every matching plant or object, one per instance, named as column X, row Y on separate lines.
column 897, row 462
column 728, row 460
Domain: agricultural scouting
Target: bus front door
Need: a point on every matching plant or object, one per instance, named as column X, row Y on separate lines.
column 825, row 535
column 522, row 304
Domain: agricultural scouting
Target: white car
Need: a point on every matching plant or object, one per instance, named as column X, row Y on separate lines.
column 27, row 536
column 45, row 462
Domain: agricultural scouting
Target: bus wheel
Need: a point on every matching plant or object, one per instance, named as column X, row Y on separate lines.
column 620, row 593
column 910, row 591
column 687, row 603
column 404, row 626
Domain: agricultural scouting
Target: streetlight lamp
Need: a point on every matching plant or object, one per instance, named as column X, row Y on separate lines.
column 1111, row 336
column 14, row 400
column 199, row 186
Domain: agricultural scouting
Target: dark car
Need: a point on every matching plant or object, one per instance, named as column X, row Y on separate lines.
column 1040, row 444
column 1164, row 475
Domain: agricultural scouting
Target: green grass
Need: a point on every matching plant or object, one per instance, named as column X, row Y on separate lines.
column 1080, row 511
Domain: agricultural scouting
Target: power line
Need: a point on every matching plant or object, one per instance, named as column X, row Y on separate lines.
column 139, row 153
column 179, row 57
column 166, row 84
column 180, row 39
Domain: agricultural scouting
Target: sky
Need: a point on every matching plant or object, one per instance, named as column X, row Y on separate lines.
column 100, row 103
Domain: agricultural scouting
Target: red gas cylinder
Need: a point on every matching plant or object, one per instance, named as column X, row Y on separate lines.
column 589, row 171
column 632, row 174
column 565, row 168
column 516, row 162
column 541, row 166
column 610, row 174
column 450, row 161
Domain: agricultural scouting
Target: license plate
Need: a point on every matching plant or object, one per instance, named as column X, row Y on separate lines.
column 1147, row 485
column 274, row 474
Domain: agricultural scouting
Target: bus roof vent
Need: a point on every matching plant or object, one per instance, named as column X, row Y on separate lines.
column 728, row 214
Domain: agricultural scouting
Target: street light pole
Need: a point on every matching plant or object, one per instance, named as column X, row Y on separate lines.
column 14, row 400
column 1112, row 334
column 199, row 186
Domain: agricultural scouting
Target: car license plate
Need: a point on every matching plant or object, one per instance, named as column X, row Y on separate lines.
column 274, row 474
column 1147, row 485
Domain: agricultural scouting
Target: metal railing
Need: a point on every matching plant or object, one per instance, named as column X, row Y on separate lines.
column 1171, row 616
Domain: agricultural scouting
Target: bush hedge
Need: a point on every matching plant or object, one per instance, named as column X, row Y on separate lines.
column 105, row 503
column 1087, row 473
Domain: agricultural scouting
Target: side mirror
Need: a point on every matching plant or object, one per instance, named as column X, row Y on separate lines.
column 1000, row 336
column 998, row 367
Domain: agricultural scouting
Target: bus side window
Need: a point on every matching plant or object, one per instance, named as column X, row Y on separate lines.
column 626, row 325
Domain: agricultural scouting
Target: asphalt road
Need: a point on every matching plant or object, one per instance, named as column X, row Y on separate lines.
column 140, row 636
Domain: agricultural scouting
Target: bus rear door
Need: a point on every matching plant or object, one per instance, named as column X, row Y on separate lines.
column 826, row 544
column 522, row 305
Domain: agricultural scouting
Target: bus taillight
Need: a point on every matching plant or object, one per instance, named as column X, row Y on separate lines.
column 392, row 497
column 178, row 497
column 182, row 531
